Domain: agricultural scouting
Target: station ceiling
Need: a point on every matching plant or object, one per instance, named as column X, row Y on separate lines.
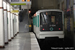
column 41, row 4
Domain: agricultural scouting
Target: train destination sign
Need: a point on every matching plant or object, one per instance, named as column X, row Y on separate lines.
column 20, row 2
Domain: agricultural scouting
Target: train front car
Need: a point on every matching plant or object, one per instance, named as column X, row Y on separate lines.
column 49, row 23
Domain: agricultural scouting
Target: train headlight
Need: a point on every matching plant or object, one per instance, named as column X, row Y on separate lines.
column 59, row 28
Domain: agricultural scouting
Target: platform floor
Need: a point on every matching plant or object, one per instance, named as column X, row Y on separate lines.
column 23, row 41
column 28, row 41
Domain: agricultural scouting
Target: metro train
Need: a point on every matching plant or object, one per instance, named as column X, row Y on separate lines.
column 48, row 23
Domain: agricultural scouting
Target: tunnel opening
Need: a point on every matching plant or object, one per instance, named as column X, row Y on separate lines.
column 67, row 7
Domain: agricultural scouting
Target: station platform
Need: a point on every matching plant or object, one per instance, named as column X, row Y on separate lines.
column 23, row 41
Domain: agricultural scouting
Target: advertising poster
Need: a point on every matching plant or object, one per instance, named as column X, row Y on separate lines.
column 68, row 15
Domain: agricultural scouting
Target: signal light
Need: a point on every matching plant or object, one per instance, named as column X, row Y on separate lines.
column 29, row 11
column 35, row 14
column 23, row 0
column 59, row 28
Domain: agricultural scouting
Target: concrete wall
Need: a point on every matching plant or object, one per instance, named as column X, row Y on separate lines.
column 60, row 3
column 44, row 4
column 47, row 4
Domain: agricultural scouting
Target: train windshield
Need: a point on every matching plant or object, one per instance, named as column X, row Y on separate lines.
column 46, row 18
column 51, row 19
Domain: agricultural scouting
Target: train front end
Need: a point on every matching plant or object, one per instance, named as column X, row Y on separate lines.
column 51, row 24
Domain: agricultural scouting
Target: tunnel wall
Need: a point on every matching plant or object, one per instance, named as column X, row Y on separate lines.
column 68, row 20
column 43, row 4
column 47, row 4
column 23, row 25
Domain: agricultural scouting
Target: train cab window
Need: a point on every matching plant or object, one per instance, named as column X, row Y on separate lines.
column 51, row 19
column 45, row 18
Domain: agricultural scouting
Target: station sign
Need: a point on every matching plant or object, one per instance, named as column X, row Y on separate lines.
column 20, row 2
column 14, row 11
column 30, row 25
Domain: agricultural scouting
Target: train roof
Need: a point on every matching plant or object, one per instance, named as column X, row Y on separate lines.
column 48, row 10
column 37, row 13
